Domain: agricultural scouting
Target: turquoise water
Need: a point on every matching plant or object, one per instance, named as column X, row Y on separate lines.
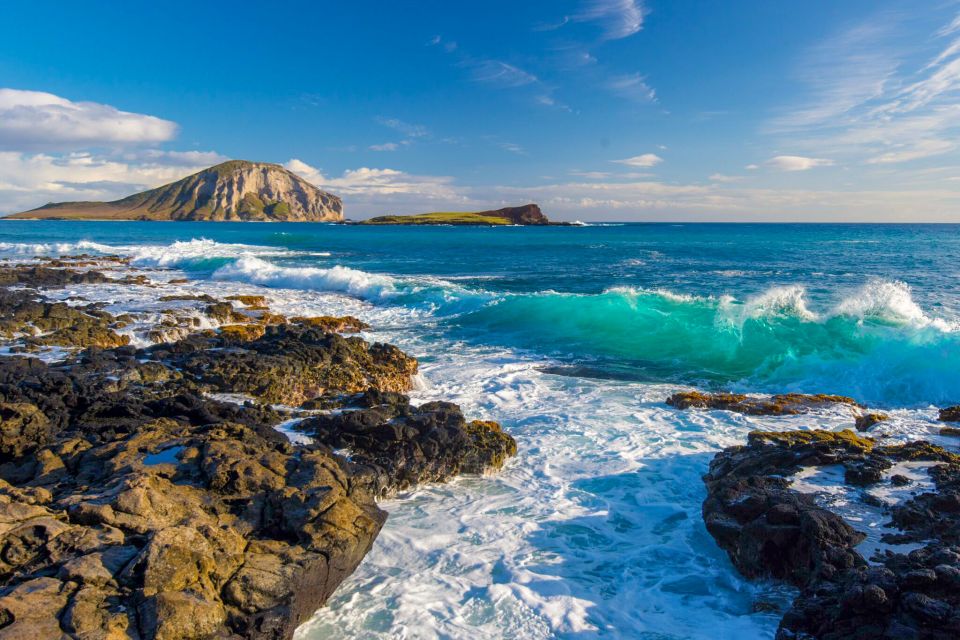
column 572, row 338
column 866, row 310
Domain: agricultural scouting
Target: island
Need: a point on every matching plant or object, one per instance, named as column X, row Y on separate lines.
column 527, row 215
column 233, row 191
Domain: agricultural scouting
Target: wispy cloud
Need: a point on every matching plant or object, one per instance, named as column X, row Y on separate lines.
column 499, row 73
column 405, row 128
column 797, row 163
column 632, row 87
column 644, row 160
column 513, row 148
column 870, row 102
column 616, row 18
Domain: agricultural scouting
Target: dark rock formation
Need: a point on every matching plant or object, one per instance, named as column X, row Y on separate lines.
column 528, row 214
column 770, row 530
column 950, row 414
column 132, row 505
column 290, row 364
column 404, row 446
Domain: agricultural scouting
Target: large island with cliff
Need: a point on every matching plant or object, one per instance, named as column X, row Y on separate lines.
column 235, row 191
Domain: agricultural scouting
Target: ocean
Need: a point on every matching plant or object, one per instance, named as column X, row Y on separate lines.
column 572, row 337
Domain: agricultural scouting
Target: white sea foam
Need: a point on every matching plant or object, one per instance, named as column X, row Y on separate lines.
column 176, row 254
column 341, row 279
column 53, row 248
column 831, row 492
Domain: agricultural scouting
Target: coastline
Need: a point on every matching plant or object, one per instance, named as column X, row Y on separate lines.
column 502, row 523
column 187, row 511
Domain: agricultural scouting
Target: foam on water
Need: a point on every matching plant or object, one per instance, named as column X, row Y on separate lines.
column 340, row 279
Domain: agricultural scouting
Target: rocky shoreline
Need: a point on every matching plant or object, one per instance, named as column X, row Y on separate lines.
column 771, row 530
column 146, row 492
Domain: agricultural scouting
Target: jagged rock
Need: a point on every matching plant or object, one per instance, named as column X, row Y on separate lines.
column 404, row 445
column 771, row 530
column 784, row 404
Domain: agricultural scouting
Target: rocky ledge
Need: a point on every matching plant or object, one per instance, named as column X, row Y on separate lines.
column 136, row 504
column 770, row 530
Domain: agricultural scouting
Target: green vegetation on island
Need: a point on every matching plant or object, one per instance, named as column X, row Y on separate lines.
column 528, row 214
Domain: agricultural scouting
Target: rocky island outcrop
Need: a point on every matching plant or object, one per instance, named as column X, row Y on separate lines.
column 232, row 191
column 526, row 215
column 146, row 492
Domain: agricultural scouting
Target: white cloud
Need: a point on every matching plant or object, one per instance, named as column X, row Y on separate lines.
column 386, row 146
column 35, row 120
column 617, row 18
column 644, row 160
column 797, row 163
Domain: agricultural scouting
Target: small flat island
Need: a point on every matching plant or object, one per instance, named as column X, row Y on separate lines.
column 526, row 215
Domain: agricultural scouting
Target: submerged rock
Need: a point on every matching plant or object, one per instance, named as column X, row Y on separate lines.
column 770, row 530
column 783, row 404
column 867, row 420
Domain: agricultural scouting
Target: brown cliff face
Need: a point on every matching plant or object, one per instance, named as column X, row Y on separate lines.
column 232, row 191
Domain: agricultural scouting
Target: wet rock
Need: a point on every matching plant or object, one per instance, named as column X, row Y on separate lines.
column 254, row 302
column 333, row 324
column 950, row 414
column 784, row 404
column 37, row 322
column 867, row 420
column 242, row 332
column 224, row 313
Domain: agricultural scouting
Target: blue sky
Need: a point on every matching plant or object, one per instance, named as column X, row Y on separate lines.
column 596, row 109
